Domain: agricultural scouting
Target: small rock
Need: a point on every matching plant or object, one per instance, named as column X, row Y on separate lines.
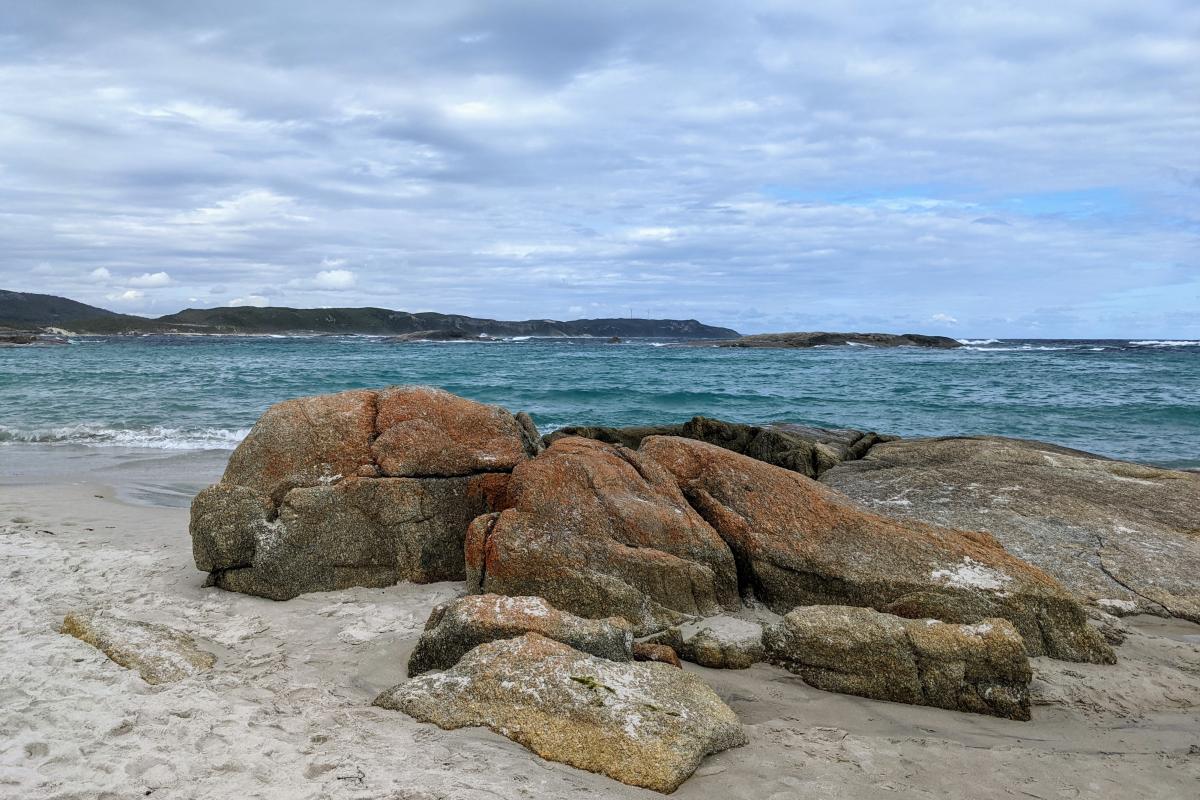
column 643, row 724
column 981, row 668
column 648, row 651
column 459, row 626
column 160, row 654
column 1111, row 627
column 717, row 642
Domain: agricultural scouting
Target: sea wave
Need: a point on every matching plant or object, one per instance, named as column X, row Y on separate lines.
column 1024, row 348
column 155, row 437
column 978, row 341
column 1166, row 343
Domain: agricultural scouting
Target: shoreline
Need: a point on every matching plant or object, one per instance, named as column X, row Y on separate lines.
column 286, row 714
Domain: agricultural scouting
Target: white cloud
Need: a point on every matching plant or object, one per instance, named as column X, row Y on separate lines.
column 945, row 319
column 516, row 250
column 334, row 279
column 660, row 234
column 254, row 208
column 127, row 296
column 843, row 159
column 256, row 300
column 149, row 280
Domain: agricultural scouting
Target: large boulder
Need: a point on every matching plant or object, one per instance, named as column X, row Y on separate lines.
column 356, row 532
column 980, row 668
column 598, row 530
column 645, row 724
column 159, row 654
column 1124, row 536
column 361, row 488
column 809, row 451
column 455, row 628
column 797, row 543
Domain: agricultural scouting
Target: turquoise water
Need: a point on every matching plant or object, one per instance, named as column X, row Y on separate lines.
column 1138, row 401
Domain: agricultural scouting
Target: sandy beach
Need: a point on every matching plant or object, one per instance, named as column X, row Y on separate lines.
column 286, row 712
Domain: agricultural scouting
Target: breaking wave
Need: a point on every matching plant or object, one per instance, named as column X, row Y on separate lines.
column 155, row 437
column 1166, row 343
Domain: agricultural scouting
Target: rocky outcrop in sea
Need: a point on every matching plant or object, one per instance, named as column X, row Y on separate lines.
column 821, row 339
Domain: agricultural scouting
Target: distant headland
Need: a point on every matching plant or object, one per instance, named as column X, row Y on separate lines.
column 27, row 318
column 42, row 313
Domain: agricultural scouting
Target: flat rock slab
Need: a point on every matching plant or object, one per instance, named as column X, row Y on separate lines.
column 1123, row 536
column 459, row 626
column 160, row 654
column 980, row 668
column 644, row 724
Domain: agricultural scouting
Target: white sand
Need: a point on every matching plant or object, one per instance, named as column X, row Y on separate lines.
column 286, row 714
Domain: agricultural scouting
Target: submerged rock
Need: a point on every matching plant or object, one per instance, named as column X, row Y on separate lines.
column 361, row 488
column 981, row 668
column 717, row 642
column 820, row 339
column 599, row 530
column 1124, row 536
column 644, row 724
column 797, row 543
column 159, row 654
column 438, row 335
column 459, row 626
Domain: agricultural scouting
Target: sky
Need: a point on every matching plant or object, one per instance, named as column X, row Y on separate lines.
column 964, row 168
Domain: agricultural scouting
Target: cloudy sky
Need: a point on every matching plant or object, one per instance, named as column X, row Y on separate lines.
column 970, row 168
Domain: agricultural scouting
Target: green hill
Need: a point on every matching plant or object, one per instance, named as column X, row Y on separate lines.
column 24, row 309
column 41, row 311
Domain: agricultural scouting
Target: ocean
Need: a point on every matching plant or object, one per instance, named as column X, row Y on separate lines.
column 1135, row 400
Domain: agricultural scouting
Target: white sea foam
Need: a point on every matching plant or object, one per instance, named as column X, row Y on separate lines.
column 1024, row 348
column 978, row 341
column 156, row 437
column 1166, row 343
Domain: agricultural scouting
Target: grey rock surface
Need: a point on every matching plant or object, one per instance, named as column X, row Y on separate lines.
column 1123, row 536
